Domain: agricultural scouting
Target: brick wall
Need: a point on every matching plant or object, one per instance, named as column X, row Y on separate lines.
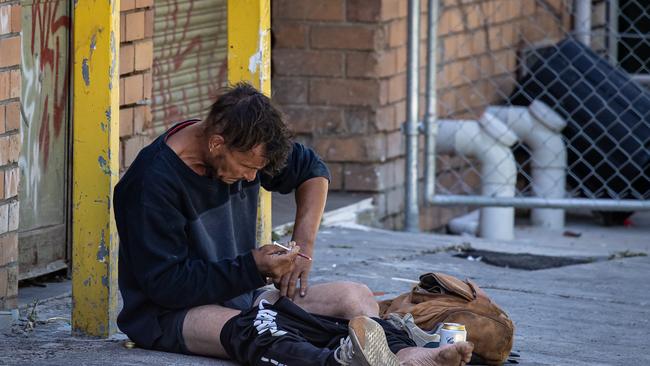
column 10, row 86
column 339, row 73
column 136, row 56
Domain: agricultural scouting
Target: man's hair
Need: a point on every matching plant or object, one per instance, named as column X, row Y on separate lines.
column 245, row 118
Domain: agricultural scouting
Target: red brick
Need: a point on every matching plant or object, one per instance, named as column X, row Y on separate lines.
column 4, row 282
column 371, row 64
column 148, row 84
column 16, row 18
column 397, row 88
column 148, row 23
column 400, row 112
column 15, row 88
column 127, row 5
column 364, row 10
column 451, row 21
column 402, row 8
column 148, row 117
column 344, row 92
column 395, row 201
column 307, row 63
column 12, row 116
column 132, row 147
column 352, row 37
column 11, row 148
column 126, row 122
column 336, row 174
column 357, row 121
column 122, row 27
column 363, row 177
column 310, row 119
column 395, row 144
column 390, row 9
column 310, row 9
column 289, row 90
column 5, row 84
column 2, row 122
column 397, row 30
column 352, row 148
column 143, row 3
column 12, row 282
column 290, row 35
column 10, row 54
column 122, row 91
column 5, row 19
column 135, row 26
column 143, row 55
column 14, row 208
column 139, row 120
column 133, row 89
column 127, row 58
column 385, row 119
column 11, row 182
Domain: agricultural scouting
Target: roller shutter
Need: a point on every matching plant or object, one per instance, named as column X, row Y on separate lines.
column 190, row 65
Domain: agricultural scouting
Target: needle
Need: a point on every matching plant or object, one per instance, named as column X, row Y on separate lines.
column 288, row 250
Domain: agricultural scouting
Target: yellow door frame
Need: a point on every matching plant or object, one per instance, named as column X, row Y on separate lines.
column 95, row 165
column 249, row 59
column 95, row 139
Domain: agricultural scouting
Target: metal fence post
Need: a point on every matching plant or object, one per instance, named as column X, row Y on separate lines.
column 583, row 21
column 412, row 216
column 430, row 126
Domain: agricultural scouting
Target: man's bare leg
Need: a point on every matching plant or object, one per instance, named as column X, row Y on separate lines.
column 202, row 329
column 342, row 299
column 457, row 354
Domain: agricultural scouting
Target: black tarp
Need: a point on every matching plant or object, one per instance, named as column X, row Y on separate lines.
column 608, row 119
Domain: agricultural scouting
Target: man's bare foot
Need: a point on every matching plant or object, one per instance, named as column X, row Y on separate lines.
column 452, row 355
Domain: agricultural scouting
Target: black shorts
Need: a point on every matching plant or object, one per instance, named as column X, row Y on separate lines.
column 171, row 323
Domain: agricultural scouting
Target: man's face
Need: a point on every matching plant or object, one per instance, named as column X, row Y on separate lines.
column 231, row 165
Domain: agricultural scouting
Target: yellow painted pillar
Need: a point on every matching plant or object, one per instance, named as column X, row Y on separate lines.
column 95, row 167
column 249, row 59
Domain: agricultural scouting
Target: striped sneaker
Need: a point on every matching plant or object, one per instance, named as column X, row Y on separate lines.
column 365, row 346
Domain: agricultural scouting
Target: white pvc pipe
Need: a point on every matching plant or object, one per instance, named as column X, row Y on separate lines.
column 539, row 127
column 582, row 19
column 498, row 168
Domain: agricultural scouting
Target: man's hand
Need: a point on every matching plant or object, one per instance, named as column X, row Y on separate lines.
column 289, row 281
column 275, row 262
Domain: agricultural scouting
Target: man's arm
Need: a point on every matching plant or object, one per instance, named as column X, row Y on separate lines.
column 310, row 202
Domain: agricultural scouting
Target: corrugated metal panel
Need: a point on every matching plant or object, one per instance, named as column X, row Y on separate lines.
column 190, row 50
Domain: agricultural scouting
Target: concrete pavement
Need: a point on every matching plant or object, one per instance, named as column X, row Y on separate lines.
column 589, row 314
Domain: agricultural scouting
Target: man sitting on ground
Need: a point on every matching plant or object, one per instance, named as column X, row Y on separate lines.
column 189, row 270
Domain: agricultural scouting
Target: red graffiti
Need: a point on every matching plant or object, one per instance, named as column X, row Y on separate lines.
column 179, row 46
column 46, row 22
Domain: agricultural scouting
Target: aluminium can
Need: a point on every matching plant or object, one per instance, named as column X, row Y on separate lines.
column 451, row 333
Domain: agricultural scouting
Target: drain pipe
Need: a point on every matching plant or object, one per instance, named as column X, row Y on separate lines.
column 539, row 127
column 412, row 215
column 430, row 115
column 488, row 141
column 583, row 21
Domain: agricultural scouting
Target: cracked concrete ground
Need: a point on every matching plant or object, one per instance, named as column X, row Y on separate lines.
column 588, row 314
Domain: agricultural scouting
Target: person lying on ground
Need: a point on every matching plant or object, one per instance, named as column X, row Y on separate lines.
column 190, row 274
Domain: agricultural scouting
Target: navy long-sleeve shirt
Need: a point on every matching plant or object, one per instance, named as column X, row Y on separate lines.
column 186, row 239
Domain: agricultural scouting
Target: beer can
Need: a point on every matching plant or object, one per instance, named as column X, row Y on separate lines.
column 451, row 333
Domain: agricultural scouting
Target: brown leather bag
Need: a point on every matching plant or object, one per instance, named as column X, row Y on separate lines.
column 441, row 298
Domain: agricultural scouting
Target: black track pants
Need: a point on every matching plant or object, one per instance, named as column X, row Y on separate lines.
column 285, row 334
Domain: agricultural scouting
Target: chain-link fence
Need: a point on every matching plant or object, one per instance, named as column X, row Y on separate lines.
column 543, row 103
